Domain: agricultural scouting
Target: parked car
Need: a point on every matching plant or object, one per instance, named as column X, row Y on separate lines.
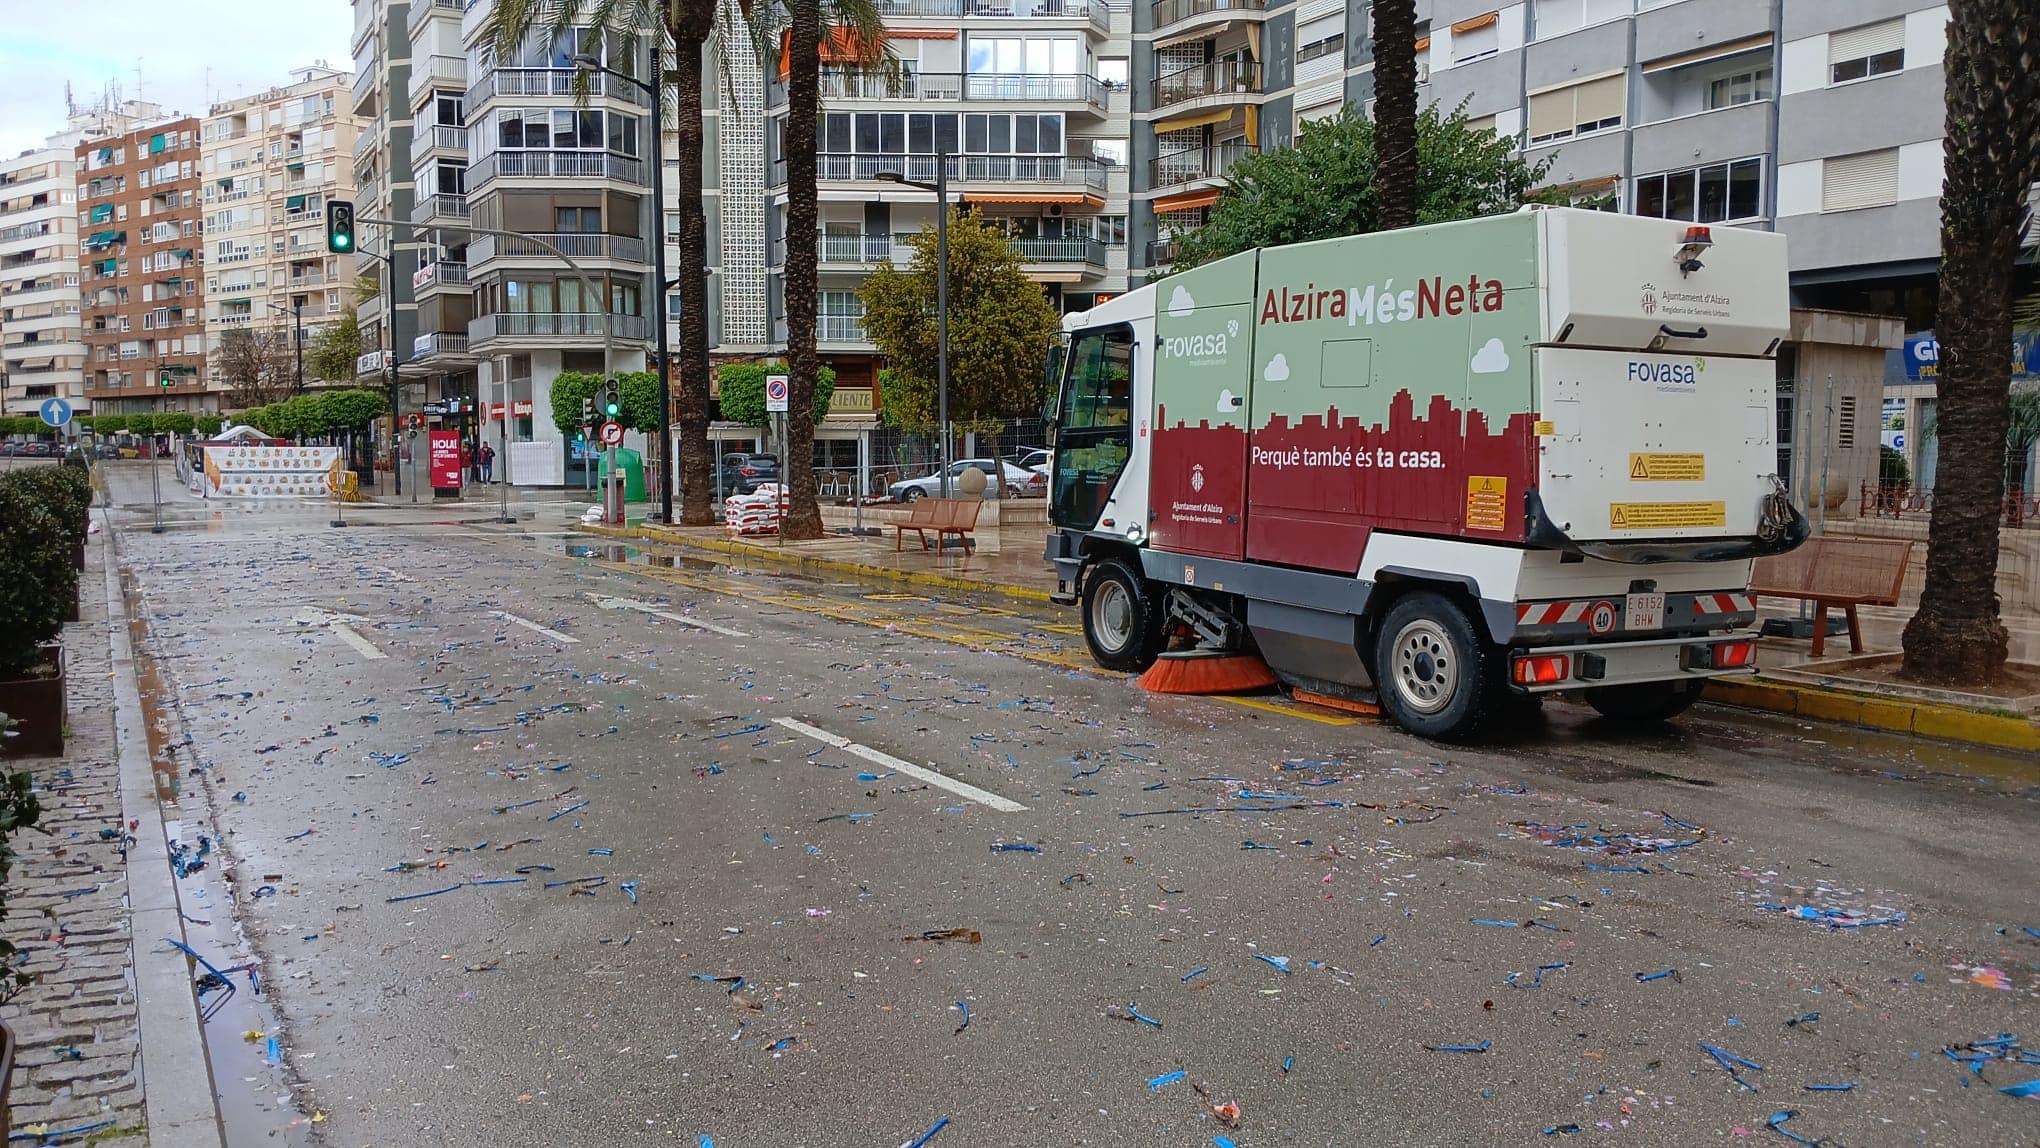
column 745, row 473
column 1018, row 483
column 1034, row 459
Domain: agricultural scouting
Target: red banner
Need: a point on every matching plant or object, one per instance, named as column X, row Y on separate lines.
column 445, row 459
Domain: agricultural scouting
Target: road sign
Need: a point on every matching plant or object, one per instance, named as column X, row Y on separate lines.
column 612, row 434
column 56, row 412
column 775, row 394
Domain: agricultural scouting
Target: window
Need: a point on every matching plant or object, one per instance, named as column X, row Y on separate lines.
column 1741, row 88
column 448, row 111
column 1332, row 45
column 582, row 220
column 1871, row 50
column 1094, row 432
column 1476, row 38
column 1845, row 422
column 1113, row 71
column 1867, row 179
column 1717, row 193
column 1577, row 110
column 1557, row 17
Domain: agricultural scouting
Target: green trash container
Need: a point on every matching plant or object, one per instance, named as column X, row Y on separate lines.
column 633, row 465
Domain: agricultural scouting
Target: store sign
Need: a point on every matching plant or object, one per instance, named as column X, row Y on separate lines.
column 520, row 409
column 851, row 401
column 1923, row 357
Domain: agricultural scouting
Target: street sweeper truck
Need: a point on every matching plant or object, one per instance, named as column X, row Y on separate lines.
column 1441, row 470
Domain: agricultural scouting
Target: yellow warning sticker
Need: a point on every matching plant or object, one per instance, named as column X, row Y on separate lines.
column 1544, row 428
column 1487, row 502
column 1667, row 467
column 1665, row 515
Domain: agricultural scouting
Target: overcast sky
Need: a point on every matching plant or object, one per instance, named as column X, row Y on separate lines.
column 189, row 53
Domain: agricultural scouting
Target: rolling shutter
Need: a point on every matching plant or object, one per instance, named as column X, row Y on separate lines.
column 1868, row 40
column 1868, row 179
column 1597, row 100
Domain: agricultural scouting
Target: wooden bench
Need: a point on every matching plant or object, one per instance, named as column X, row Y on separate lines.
column 1836, row 571
column 940, row 517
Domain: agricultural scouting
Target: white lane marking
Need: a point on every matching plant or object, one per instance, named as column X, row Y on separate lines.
column 654, row 611
column 555, row 635
column 962, row 789
column 337, row 625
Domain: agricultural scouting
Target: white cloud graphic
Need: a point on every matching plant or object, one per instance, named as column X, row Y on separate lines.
column 1277, row 370
column 1491, row 359
column 1181, row 304
column 1229, row 402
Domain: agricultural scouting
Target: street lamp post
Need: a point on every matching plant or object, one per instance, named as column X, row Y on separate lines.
column 651, row 90
column 941, row 189
column 296, row 311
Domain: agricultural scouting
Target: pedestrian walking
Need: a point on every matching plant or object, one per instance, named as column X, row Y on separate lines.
column 488, row 461
column 467, row 460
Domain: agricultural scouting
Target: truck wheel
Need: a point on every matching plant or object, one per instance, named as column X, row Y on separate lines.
column 1645, row 702
column 1432, row 667
column 1122, row 617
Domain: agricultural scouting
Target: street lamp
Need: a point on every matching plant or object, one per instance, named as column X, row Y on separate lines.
column 666, row 460
column 296, row 311
column 941, row 189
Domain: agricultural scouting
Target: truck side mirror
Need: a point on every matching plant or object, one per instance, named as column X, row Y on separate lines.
column 1052, row 372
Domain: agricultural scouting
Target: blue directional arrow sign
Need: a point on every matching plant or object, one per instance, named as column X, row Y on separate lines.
column 56, row 412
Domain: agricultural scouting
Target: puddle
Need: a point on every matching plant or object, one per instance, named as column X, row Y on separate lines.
column 257, row 1098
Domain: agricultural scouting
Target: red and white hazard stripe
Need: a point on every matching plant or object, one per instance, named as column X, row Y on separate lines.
column 1551, row 613
column 1723, row 603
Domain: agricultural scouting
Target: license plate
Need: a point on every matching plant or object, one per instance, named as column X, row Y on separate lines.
column 1644, row 612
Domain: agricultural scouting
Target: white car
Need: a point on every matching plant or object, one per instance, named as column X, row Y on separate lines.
column 1019, row 483
column 1035, row 460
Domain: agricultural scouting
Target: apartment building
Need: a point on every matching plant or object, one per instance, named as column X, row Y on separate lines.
column 42, row 348
column 436, row 103
column 1027, row 102
column 380, row 100
column 270, row 163
column 141, row 277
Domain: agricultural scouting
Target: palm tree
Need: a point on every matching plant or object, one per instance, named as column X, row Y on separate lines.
column 1395, row 113
column 1991, row 156
column 856, row 31
column 690, row 26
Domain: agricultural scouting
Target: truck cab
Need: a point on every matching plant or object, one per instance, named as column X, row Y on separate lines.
column 1441, row 469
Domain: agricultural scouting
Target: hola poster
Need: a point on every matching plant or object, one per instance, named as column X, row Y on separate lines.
column 445, row 459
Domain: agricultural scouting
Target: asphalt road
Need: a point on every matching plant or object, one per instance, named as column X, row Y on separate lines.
column 426, row 701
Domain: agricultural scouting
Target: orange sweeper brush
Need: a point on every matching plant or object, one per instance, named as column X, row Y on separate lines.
column 1207, row 672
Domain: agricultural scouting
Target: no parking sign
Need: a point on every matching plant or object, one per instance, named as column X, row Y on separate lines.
column 775, row 394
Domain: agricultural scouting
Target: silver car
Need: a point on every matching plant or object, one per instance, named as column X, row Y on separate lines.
column 1018, row 483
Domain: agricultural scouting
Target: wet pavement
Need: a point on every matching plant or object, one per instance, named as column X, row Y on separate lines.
column 540, row 838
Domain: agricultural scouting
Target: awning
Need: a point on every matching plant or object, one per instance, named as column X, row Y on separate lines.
column 1193, row 120
column 1423, row 44
column 155, row 143
column 227, row 184
column 1253, row 125
column 838, row 47
column 1065, row 197
column 36, row 364
column 100, row 239
column 106, row 155
column 920, row 34
column 1703, row 55
column 106, row 266
column 1475, row 24
column 102, row 213
column 294, row 203
column 1187, row 201
column 181, row 252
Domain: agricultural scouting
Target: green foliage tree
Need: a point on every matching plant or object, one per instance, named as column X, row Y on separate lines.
column 743, row 391
column 175, row 422
column 1000, row 328
column 209, row 425
column 19, row 810
column 351, row 409
column 141, row 424
column 640, row 400
column 109, row 424
column 38, row 579
column 906, row 401
column 1324, row 187
column 330, row 357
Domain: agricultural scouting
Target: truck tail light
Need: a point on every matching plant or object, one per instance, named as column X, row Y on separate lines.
column 1541, row 669
column 1734, row 655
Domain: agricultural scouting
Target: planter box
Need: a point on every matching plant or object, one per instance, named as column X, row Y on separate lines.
column 37, row 707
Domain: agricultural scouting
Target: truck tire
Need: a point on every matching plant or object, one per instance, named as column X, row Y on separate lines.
column 1433, row 668
column 1645, row 702
column 1122, row 617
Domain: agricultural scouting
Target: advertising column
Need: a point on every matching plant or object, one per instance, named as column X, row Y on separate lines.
column 444, row 456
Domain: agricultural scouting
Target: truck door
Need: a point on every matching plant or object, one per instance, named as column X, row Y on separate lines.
column 1094, row 429
column 1203, row 376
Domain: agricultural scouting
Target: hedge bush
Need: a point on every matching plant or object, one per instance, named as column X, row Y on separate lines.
column 38, row 580
column 66, row 491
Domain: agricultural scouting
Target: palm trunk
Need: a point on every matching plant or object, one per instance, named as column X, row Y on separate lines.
column 689, row 23
column 1395, row 113
column 1991, row 155
column 803, row 99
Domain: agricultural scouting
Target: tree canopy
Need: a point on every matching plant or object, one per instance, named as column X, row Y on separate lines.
column 640, row 400
column 332, row 353
column 1000, row 328
column 742, row 389
column 316, row 413
column 1324, row 186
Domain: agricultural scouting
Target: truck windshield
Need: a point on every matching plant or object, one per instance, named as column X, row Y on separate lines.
column 1094, row 432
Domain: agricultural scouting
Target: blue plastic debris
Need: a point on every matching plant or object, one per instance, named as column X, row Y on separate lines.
column 1133, row 1011
column 2029, row 1088
column 1286, row 1062
column 1481, row 1047
column 1196, row 972
column 1015, row 847
column 923, row 1138
column 1847, row 1087
column 965, row 1006
column 1796, row 1021
column 1280, row 963
column 1497, row 924
column 1657, row 976
column 630, row 887
column 1777, row 1124
column 420, row 896
column 1156, row 1084
column 1561, row 1130
column 1729, row 1062
column 1252, row 845
column 1377, row 940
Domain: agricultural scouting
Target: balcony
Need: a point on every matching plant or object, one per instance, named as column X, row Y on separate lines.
column 1221, row 77
column 441, row 208
column 436, row 72
column 437, row 344
column 853, row 249
column 365, row 86
column 1170, row 12
column 576, row 245
column 437, row 138
column 1162, row 252
column 1094, row 10
column 554, row 165
column 366, row 141
column 1192, row 164
column 444, row 273
column 307, row 281
column 844, row 85
column 1061, row 249
column 1068, row 171
column 557, row 325
column 546, row 82
column 423, row 10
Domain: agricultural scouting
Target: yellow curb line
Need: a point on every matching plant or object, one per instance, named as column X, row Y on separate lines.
column 1924, row 719
column 810, row 564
